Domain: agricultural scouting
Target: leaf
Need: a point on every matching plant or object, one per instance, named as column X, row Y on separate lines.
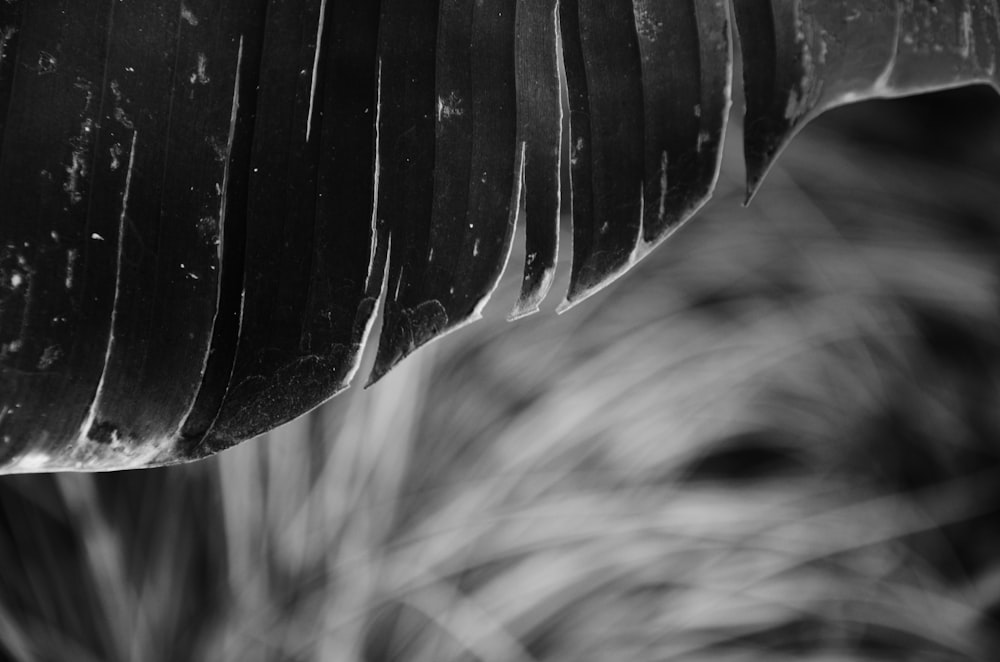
column 448, row 191
column 307, row 292
column 204, row 201
column 803, row 57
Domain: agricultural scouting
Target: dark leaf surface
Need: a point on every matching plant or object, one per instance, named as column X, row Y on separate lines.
column 604, row 76
column 306, row 300
column 539, row 143
column 203, row 202
column 456, row 140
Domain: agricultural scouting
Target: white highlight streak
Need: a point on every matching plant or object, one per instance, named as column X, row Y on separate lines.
column 229, row 144
column 378, row 167
column 122, row 220
column 319, row 47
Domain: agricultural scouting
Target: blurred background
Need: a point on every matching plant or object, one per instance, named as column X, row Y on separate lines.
column 777, row 439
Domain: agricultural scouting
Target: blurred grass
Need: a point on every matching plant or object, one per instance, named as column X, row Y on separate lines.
column 776, row 440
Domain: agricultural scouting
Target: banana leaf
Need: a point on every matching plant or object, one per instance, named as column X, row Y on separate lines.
column 205, row 203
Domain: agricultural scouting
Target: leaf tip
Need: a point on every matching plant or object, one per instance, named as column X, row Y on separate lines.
column 753, row 186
